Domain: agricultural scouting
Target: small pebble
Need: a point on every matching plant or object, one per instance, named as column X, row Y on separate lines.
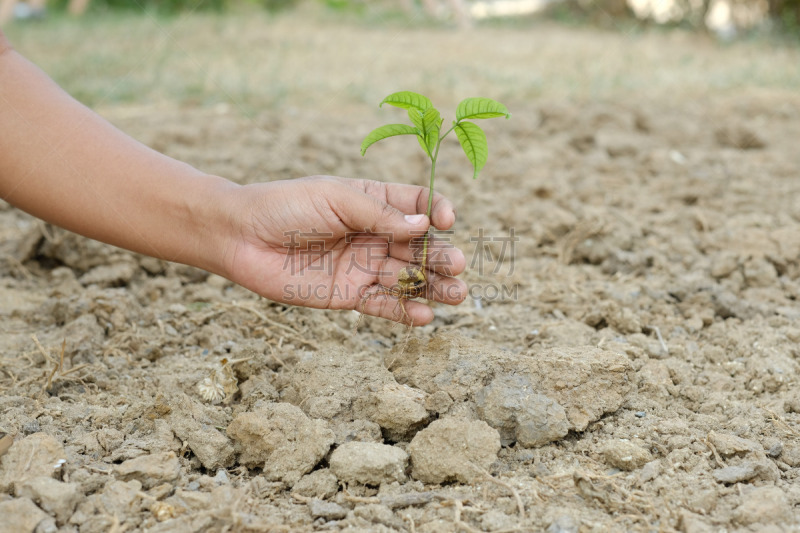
column 640, row 414
column 31, row 427
column 775, row 450
column 563, row 524
column 222, row 477
column 744, row 472
column 369, row 463
column 326, row 510
column 626, row 455
column 541, row 470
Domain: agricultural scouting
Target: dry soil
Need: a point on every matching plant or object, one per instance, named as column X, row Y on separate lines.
column 627, row 359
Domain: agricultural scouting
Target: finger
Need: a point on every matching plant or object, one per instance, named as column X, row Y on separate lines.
column 443, row 212
column 404, row 311
column 445, row 289
column 442, row 257
column 363, row 212
column 409, row 199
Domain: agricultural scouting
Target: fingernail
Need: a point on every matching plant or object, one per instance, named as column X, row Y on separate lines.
column 414, row 219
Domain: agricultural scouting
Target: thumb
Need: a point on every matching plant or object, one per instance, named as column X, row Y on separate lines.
column 362, row 212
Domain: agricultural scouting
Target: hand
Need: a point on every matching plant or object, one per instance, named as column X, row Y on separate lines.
column 318, row 242
column 322, row 241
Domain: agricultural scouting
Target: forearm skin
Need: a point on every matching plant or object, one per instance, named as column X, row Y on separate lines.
column 63, row 163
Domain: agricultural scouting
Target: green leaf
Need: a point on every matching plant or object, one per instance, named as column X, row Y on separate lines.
column 473, row 141
column 415, row 115
column 408, row 100
column 480, row 108
column 430, row 120
column 428, row 124
column 422, row 143
column 432, row 137
column 389, row 130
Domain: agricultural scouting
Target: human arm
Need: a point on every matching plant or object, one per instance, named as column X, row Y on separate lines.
column 63, row 163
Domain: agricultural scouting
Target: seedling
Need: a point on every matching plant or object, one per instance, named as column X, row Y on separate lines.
column 426, row 125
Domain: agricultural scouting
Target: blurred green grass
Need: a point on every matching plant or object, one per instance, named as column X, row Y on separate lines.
column 254, row 59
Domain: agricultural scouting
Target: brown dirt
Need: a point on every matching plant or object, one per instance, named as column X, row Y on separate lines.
column 645, row 349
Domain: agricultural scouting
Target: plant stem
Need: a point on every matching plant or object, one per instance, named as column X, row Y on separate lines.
column 430, row 209
column 430, row 196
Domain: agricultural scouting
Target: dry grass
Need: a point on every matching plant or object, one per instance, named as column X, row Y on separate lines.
column 255, row 60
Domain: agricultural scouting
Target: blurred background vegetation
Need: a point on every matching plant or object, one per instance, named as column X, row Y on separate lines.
column 269, row 54
column 726, row 18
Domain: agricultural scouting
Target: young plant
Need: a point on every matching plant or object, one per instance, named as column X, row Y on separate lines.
column 426, row 125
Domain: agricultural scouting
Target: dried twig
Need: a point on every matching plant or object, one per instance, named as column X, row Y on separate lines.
column 41, row 348
column 582, row 231
column 115, row 526
column 11, row 375
column 301, row 498
column 397, row 501
column 781, row 422
column 46, row 233
column 411, row 526
column 411, row 499
column 458, row 507
column 489, row 477
column 71, row 370
column 660, row 339
column 615, row 498
column 58, row 371
column 714, row 451
column 589, row 491
column 275, row 357
column 49, row 359
column 98, row 470
column 289, row 331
